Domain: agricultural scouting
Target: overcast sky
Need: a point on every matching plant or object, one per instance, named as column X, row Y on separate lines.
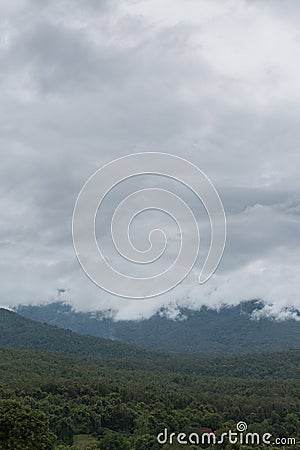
column 216, row 82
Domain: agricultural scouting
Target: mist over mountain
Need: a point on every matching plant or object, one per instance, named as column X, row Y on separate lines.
column 244, row 328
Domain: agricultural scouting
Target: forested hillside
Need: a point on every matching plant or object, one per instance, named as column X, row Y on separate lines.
column 90, row 392
column 120, row 404
column 19, row 332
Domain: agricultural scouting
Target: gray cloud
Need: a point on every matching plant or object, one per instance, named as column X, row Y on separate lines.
column 215, row 82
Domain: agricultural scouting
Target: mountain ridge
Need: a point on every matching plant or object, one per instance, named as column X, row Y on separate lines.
column 231, row 330
column 18, row 333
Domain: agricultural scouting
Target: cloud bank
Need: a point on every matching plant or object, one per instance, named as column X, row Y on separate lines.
column 214, row 82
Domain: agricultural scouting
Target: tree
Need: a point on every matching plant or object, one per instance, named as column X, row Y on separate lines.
column 146, row 442
column 22, row 428
column 114, row 441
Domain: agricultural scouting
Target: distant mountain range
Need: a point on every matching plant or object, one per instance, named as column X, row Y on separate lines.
column 231, row 330
column 17, row 332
